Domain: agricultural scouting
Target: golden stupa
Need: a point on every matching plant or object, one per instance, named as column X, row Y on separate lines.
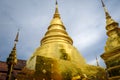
column 58, row 59
column 111, row 55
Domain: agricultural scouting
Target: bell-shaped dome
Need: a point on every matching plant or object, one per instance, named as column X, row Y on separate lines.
column 56, row 31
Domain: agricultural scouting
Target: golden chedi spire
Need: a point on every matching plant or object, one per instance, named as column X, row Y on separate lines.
column 13, row 52
column 113, row 31
column 112, row 47
column 12, row 59
column 56, row 30
column 109, row 20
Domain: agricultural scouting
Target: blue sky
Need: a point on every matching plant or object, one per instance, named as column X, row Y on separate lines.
column 83, row 19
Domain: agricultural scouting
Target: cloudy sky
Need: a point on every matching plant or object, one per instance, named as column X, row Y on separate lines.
column 83, row 19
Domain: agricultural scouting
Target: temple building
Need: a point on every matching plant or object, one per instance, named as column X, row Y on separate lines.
column 111, row 56
column 17, row 69
column 57, row 59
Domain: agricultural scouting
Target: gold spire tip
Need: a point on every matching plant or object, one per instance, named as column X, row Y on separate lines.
column 103, row 3
column 105, row 9
column 16, row 39
column 56, row 14
column 56, row 2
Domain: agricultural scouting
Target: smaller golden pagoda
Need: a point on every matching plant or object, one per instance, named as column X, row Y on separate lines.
column 111, row 56
column 12, row 60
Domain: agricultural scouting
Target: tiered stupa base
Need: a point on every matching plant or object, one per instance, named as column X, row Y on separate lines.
column 51, row 69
